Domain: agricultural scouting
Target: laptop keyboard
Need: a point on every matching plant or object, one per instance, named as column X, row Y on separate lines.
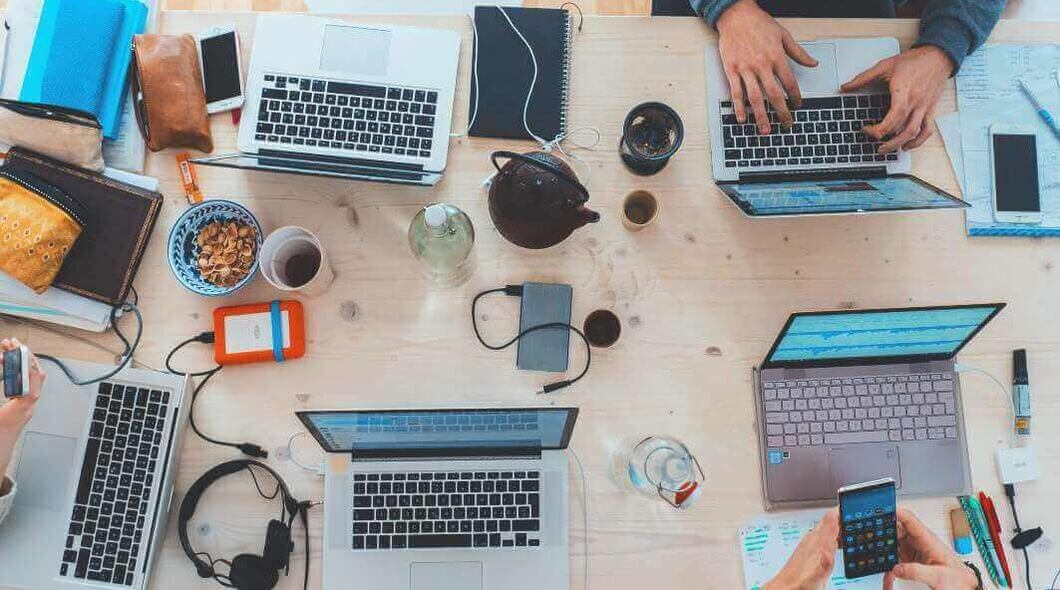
column 115, row 488
column 482, row 509
column 360, row 118
column 860, row 410
column 826, row 130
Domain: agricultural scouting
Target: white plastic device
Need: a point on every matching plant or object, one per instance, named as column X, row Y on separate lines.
column 1014, row 174
column 221, row 63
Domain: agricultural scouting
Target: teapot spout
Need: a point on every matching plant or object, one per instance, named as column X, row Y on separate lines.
column 586, row 215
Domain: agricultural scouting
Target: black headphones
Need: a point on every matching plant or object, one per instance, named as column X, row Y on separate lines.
column 248, row 571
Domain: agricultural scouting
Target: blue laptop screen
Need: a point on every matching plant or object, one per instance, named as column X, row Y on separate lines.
column 393, row 430
column 905, row 333
column 806, row 197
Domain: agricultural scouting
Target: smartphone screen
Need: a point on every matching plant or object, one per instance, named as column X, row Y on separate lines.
column 1016, row 173
column 220, row 67
column 12, row 373
column 870, row 543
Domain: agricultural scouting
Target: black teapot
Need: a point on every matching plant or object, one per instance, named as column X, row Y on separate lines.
column 536, row 201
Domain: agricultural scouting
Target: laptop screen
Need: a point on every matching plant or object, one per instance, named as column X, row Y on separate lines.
column 426, row 432
column 910, row 334
column 816, row 197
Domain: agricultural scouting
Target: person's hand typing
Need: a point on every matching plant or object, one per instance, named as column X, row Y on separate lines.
column 915, row 79
column 924, row 558
column 811, row 564
column 754, row 49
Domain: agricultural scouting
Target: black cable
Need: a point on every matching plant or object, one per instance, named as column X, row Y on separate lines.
column 246, row 448
column 1021, row 541
column 126, row 355
column 517, row 291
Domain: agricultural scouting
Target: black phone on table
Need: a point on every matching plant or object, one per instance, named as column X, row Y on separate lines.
column 16, row 372
column 868, row 528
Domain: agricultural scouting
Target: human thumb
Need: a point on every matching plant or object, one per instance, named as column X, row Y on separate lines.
column 918, row 572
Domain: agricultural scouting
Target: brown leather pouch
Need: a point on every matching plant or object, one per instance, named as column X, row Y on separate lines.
column 167, row 86
column 38, row 226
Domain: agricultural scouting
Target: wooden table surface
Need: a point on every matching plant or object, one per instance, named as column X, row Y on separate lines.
column 701, row 296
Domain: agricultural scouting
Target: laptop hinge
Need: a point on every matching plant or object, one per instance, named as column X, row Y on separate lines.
column 453, row 454
column 790, row 175
column 319, row 158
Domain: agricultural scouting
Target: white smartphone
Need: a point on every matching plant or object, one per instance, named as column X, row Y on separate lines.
column 1016, row 190
column 222, row 67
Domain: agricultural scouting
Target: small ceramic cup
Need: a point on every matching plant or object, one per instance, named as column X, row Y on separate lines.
column 294, row 260
column 602, row 328
column 639, row 210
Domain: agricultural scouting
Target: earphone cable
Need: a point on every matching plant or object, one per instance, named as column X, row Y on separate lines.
column 126, row 355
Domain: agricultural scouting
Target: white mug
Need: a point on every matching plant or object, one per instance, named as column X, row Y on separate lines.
column 289, row 253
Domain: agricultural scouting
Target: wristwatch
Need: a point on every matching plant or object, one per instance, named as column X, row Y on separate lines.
column 978, row 575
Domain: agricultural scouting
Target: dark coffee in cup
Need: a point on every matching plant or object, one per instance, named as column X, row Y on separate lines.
column 602, row 328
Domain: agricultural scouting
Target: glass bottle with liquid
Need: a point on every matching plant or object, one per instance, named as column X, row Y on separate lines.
column 659, row 467
column 441, row 237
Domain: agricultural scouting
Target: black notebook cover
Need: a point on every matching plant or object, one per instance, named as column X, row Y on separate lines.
column 505, row 71
column 121, row 217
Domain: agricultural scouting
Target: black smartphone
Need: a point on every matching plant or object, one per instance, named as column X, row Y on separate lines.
column 544, row 350
column 16, row 372
column 867, row 512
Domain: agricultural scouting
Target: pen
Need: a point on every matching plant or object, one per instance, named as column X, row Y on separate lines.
column 1042, row 111
column 1021, row 392
column 985, row 542
column 994, row 525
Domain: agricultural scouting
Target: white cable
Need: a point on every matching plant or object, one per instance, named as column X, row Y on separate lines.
column 964, row 368
column 533, row 80
column 585, row 517
column 318, row 470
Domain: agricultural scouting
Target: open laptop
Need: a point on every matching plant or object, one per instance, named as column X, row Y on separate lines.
column 95, row 479
column 823, row 165
column 851, row 396
column 333, row 98
column 446, row 499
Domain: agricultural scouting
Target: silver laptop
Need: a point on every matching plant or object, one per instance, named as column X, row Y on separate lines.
column 95, row 479
column 445, row 499
column 851, row 396
column 334, row 98
column 823, row 165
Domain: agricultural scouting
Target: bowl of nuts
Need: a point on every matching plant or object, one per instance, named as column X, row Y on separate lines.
column 213, row 247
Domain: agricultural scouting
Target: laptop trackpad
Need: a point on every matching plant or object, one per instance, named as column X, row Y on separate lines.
column 45, row 467
column 823, row 79
column 464, row 575
column 355, row 50
column 866, row 462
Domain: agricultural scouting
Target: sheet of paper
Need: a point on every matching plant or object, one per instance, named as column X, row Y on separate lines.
column 949, row 127
column 767, row 541
column 988, row 94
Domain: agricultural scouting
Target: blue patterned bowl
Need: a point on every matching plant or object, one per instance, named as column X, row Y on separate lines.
column 184, row 251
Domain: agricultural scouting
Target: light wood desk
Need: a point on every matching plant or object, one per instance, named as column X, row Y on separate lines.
column 701, row 295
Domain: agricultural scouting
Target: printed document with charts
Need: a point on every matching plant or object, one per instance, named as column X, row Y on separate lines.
column 767, row 541
column 988, row 93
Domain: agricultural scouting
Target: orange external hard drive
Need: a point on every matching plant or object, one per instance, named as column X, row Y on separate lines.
column 258, row 332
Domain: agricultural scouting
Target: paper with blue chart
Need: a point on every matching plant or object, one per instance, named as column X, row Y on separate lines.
column 769, row 540
column 988, row 93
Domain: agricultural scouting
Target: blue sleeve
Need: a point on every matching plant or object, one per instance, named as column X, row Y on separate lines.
column 958, row 27
column 710, row 10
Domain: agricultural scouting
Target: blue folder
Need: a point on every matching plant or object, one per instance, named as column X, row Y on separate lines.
column 81, row 54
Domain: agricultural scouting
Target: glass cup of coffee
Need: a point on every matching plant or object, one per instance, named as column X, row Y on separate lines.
column 650, row 137
column 293, row 259
column 639, row 210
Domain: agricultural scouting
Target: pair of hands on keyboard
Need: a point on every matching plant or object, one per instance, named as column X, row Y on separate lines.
column 924, row 558
column 755, row 49
column 15, row 414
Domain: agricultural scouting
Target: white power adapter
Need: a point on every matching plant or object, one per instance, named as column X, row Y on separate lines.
column 1018, row 465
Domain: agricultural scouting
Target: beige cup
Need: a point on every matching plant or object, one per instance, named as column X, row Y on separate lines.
column 639, row 210
column 294, row 260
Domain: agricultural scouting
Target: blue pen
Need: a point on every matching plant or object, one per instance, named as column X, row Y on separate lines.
column 1042, row 111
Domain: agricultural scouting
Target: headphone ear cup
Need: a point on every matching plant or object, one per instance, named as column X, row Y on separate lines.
column 252, row 572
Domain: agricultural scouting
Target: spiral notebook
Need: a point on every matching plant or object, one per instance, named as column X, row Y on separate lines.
column 504, row 72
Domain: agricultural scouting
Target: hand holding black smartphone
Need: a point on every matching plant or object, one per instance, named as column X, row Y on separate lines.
column 16, row 372
column 869, row 538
